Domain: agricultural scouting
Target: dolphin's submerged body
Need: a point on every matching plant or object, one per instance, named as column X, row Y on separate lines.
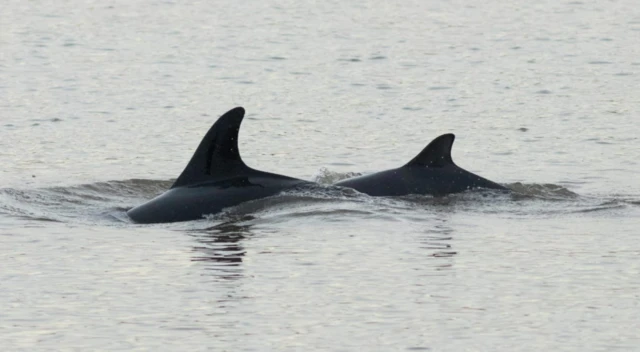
column 215, row 178
column 432, row 172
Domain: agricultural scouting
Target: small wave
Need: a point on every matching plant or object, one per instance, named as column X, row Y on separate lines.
column 107, row 202
column 614, row 203
column 95, row 201
column 545, row 191
column 606, row 206
column 303, row 201
column 126, row 188
column 327, row 177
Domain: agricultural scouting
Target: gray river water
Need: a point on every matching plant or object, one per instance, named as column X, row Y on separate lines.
column 102, row 104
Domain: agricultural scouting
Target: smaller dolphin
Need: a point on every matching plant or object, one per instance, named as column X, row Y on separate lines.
column 431, row 172
column 215, row 178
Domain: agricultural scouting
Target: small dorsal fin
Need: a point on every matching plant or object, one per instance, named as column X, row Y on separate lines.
column 436, row 154
column 217, row 155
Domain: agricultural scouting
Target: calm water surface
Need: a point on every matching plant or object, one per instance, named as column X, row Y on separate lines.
column 102, row 104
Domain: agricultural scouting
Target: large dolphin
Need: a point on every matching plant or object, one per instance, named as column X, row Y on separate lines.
column 215, row 178
column 431, row 172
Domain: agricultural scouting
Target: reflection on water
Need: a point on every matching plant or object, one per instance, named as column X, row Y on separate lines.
column 437, row 240
column 221, row 247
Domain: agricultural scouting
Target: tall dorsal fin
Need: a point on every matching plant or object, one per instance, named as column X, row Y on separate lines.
column 436, row 154
column 217, row 155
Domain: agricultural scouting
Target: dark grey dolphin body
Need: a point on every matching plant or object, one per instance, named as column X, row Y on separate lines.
column 215, row 178
column 431, row 172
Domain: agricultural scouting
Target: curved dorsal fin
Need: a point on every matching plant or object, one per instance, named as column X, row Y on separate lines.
column 217, row 155
column 436, row 154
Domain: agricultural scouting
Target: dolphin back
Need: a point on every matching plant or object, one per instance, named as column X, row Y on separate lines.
column 214, row 179
column 431, row 172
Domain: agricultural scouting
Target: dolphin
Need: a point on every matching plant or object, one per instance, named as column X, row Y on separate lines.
column 432, row 172
column 215, row 178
